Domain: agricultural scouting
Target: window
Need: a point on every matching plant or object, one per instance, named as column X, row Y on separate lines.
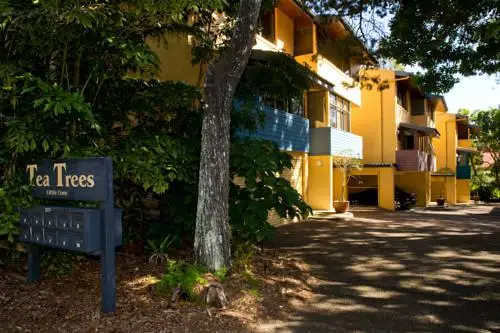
column 340, row 113
column 292, row 105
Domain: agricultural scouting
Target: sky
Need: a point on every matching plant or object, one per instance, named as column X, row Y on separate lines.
column 474, row 93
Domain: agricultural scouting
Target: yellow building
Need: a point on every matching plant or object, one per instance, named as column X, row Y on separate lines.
column 320, row 127
column 451, row 180
column 397, row 126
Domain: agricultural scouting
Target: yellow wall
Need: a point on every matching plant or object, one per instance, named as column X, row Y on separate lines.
column 175, row 59
column 338, row 179
column 465, row 143
column 320, row 182
column 375, row 120
column 444, row 186
column 307, row 60
column 284, row 28
column 446, row 145
column 416, row 182
column 386, row 188
column 317, row 108
column 463, row 190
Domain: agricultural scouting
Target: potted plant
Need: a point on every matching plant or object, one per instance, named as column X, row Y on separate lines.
column 441, row 200
column 346, row 162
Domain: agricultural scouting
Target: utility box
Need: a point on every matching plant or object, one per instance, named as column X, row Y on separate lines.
column 74, row 229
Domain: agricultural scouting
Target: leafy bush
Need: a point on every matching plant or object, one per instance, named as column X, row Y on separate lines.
column 159, row 248
column 14, row 194
column 260, row 163
column 180, row 274
column 243, row 254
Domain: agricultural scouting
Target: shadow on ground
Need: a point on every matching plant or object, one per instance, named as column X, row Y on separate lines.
column 398, row 272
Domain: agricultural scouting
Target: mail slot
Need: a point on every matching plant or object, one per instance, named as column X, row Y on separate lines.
column 75, row 229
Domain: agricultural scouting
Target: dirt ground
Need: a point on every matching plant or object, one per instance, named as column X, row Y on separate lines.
column 71, row 303
column 420, row 271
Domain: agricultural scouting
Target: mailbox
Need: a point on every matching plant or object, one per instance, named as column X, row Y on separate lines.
column 75, row 229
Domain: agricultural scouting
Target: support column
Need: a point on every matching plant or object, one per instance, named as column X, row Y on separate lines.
column 320, row 191
column 386, row 188
column 451, row 190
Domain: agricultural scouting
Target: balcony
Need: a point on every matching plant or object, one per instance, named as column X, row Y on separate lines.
column 414, row 160
column 331, row 141
column 344, row 84
column 402, row 115
column 290, row 132
column 463, row 172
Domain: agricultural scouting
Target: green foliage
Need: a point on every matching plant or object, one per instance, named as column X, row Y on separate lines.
column 77, row 80
column 260, row 163
column 274, row 76
column 487, row 140
column 180, row 274
column 13, row 196
column 221, row 274
column 243, row 255
column 56, row 263
column 159, row 248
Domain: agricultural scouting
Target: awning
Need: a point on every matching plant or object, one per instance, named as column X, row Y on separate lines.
column 467, row 150
column 428, row 131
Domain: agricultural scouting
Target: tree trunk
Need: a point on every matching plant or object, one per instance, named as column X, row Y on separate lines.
column 212, row 237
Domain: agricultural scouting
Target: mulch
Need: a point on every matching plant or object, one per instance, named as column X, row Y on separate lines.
column 72, row 303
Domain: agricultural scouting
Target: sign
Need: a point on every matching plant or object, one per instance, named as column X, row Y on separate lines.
column 93, row 231
column 70, row 179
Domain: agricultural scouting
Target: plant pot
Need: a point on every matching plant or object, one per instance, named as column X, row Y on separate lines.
column 341, row 206
column 440, row 202
column 476, row 198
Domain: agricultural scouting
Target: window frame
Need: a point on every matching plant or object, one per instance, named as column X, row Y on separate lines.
column 340, row 113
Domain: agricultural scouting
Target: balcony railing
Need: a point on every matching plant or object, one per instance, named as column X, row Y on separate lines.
column 414, row 160
column 402, row 115
column 334, row 142
column 463, row 172
column 290, row 132
column 344, row 84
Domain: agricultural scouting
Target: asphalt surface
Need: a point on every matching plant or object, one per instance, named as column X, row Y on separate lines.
column 420, row 271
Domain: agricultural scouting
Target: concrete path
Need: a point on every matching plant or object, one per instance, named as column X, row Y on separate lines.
column 424, row 271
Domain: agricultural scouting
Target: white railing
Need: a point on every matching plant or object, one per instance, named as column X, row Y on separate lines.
column 264, row 44
column 344, row 85
column 402, row 115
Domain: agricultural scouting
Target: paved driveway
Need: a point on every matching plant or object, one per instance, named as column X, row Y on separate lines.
column 427, row 271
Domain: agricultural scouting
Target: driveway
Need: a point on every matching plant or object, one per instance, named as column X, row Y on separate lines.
column 423, row 271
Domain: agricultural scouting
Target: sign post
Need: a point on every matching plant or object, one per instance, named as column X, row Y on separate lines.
column 108, row 279
column 91, row 231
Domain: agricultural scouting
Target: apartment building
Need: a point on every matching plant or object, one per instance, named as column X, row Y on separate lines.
column 451, row 180
column 392, row 130
column 322, row 129
column 397, row 124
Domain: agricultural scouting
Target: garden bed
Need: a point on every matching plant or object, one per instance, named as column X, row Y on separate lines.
column 71, row 303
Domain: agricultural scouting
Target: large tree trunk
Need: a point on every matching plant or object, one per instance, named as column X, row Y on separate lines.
column 212, row 238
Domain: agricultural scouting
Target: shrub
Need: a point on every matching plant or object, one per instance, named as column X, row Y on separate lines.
column 181, row 274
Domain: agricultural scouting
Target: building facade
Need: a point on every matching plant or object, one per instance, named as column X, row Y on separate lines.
column 451, row 180
column 391, row 130
column 397, row 124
